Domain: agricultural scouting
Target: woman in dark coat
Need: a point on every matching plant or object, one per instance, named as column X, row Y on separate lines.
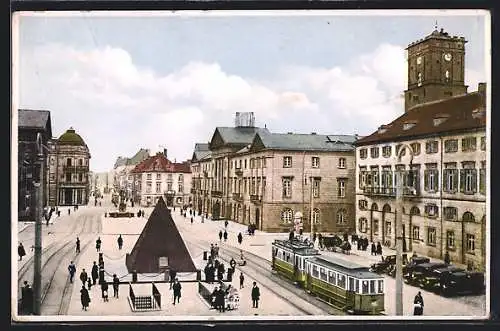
column 84, row 298
column 20, row 251
column 418, row 304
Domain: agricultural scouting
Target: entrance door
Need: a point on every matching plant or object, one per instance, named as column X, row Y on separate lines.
column 216, row 211
column 257, row 218
column 170, row 201
column 68, row 196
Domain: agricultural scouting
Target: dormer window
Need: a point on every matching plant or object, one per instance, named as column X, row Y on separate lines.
column 476, row 113
column 408, row 125
column 440, row 119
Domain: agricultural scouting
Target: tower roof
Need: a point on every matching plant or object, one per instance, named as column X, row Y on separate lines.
column 160, row 238
column 70, row 137
column 441, row 34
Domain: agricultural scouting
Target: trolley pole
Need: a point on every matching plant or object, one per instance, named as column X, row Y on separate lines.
column 37, row 277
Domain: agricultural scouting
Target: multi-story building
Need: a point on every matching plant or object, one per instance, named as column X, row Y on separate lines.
column 442, row 144
column 68, row 170
column 157, row 177
column 123, row 179
column 266, row 179
column 30, row 123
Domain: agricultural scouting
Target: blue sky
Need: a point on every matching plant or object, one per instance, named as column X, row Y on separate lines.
column 129, row 82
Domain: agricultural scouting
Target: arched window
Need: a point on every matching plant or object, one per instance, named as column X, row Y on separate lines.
column 315, row 216
column 341, row 216
column 386, row 208
column 287, row 215
column 414, row 210
column 363, row 224
column 374, row 206
column 468, row 217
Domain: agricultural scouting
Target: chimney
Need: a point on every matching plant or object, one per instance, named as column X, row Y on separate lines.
column 481, row 89
column 165, row 152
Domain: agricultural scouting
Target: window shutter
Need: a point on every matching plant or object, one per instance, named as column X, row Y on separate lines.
column 482, row 181
column 462, row 180
column 436, row 180
column 389, row 179
column 359, row 179
column 474, row 181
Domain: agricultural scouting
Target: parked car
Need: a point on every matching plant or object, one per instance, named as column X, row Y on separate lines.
column 437, row 277
column 420, row 271
column 386, row 263
column 463, row 282
column 414, row 261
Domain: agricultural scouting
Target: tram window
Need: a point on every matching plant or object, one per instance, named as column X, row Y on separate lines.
column 302, row 264
column 323, row 275
column 364, row 287
column 380, row 286
column 332, row 277
column 356, row 282
column 351, row 284
column 341, row 281
column 315, row 272
column 372, row 286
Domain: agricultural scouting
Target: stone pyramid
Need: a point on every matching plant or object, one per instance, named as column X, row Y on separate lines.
column 160, row 238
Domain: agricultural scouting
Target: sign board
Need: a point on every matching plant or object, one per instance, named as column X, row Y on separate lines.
column 163, row 262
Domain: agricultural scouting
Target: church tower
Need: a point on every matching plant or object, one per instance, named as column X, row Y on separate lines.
column 435, row 68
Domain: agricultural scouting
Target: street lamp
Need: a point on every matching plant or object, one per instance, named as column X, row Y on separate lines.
column 399, row 230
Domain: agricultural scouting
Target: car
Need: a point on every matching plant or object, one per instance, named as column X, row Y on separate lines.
column 386, row 264
column 414, row 275
column 391, row 271
column 463, row 282
column 437, row 277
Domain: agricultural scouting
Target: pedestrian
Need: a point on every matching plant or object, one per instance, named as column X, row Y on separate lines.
column 226, row 223
column 220, row 235
column 177, row 290
column 77, row 245
column 374, row 249
column 27, row 299
column 255, row 295
column 104, row 291
column 120, row 242
column 89, row 283
column 84, row 298
column 202, row 219
column 216, row 249
column 414, row 255
column 95, row 273
column 98, row 244
column 379, row 248
column 83, row 277
column 20, row 251
column 116, row 284
column 221, row 300
column 291, row 235
column 225, row 235
column 418, row 304
column 69, row 211
column 72, row 271
column 242, row 280
column 58, row 213
column 172, row 274
column 240, row 238
column 447, row 258
column 191, row 219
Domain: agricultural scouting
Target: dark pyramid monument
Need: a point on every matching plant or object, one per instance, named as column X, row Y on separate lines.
column 160, row 238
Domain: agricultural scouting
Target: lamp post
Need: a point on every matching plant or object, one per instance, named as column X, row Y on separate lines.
column 399, row 231
column 37, row 277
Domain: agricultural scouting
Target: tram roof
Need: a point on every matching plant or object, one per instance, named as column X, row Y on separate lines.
column 347, row 267
column 296, row 246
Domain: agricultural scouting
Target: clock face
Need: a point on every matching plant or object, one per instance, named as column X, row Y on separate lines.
column 447, row 56
column 419, row 60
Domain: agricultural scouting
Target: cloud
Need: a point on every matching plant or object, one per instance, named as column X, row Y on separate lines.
column 119, row 107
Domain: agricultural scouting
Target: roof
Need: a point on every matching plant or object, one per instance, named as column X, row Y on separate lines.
column 201, row 150
column 442, row 35
column 237, row 135
column 160, row 163
column 304, row 142
column 297, row 247
column 35, row 119
column 70, row 137
column 140, row 156
column 456, row 114
column 160, row 238
column 345, row 266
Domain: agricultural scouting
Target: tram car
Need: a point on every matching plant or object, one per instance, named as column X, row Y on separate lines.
column 288, row 259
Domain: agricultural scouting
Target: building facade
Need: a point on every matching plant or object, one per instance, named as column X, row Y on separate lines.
column 123, row 179
column 68, row 170
column 157, row 177
column 443, row 170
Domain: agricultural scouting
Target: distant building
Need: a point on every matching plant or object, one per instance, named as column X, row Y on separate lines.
column 68, row 171
column 122, row 179
column 30, row 123
column 444, row 187
column 157, row 177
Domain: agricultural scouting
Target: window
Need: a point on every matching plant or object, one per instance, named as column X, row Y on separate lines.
column 342, row 163
column 416, row 233
column 315, row 162
column 469, row 144
column 287, row 216
column 158, row 176
column 471, row 243
column 431, row 210
column 52, row 177
column 431, row 236
column 364, row 287
column 341, row 216
column 363, row 224
column 245, row 163
column 263, row 162
column 322, row 274
column 362, row 204
column 386, row 151
column 80, row 162
column 468, row 217
column 287, row 162
column 252, row 163
column 362, row 177
column 287, row 187
column 468, row 178
column 374, row 151
column 450, row 178
column 450, row 239
column 482, row 178
column 450, row 213
column 316, row 188
column 431, row 147
column 398, row 148
column 451, row 146
column 380, row 286
column 68, row 162
column 158, row 187
column 341, row 187
column 180, row 187
column 149, row 176
column 363, row 153
column 415, row 147
column 341, row 281
column 315, row 271
column 386, row 177
column 315, row 216
column 483, row 143
column 68, row 176
column 332, row 277
column 148, row 187
column 375, row 227
column 431, row 175
column 388, row 228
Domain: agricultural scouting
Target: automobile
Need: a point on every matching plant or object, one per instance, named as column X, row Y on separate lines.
column 414, row 275
column 386, row 263
column 407, row 267
column 463, row 282
column 437, row 277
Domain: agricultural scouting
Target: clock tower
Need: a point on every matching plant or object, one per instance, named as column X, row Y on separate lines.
column 435, row 68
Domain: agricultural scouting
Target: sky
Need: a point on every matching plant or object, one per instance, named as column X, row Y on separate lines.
column 126, row 82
